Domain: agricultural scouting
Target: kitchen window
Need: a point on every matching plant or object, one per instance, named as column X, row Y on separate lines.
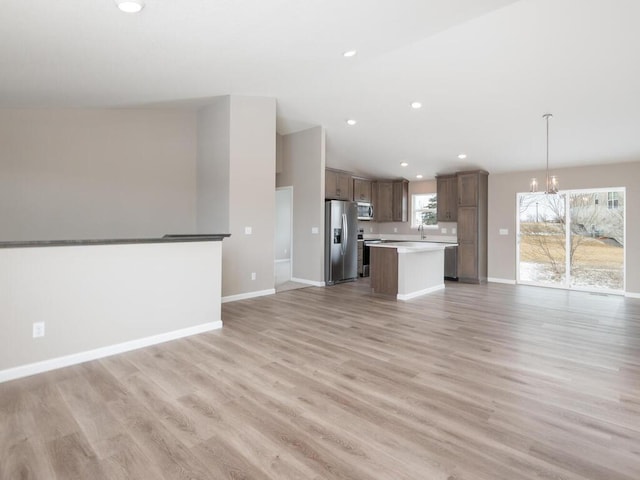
column 424, row 210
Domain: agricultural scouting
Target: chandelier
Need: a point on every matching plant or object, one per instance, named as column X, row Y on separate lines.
column 551, row 180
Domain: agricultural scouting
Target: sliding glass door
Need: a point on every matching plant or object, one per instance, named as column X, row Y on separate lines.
column 573, row 239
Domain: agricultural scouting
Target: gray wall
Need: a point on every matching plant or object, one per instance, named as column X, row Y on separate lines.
column 502, row 212
column 252, row 186
column 72, row 174
column 213, row 166
column 303, row 164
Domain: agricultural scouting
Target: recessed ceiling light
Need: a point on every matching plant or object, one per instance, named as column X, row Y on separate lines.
column 416, row 105
column 418, row 176
column 462, row 156
column 404, row 164
column 351, row 121
column 350, row 53
column 130, row 6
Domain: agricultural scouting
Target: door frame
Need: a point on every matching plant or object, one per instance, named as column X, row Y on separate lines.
column 290, row 190
column 567, row 282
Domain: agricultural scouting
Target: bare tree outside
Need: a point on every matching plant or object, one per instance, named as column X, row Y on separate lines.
column 595, row 247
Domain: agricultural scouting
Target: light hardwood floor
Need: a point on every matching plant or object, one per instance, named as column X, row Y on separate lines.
column 481, row 382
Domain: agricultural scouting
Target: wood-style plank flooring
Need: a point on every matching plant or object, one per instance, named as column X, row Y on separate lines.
column 478, row 382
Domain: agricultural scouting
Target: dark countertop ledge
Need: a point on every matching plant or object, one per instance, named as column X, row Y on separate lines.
column 178, row 238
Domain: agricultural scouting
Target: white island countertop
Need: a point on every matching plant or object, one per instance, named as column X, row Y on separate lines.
column 409, row 247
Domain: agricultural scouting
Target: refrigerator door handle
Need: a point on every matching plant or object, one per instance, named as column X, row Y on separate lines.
column 345, row 233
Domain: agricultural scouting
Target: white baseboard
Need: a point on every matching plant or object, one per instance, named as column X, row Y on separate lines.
column 308, row 282
column 245, row 296
column 501, row 280
column 409, row 296
column 76, row 358
column 632, row 295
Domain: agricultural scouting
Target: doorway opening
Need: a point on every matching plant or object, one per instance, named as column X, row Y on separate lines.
column 573, row 240
column 284, row 234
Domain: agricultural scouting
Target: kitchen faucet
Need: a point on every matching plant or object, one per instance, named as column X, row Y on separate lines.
column 421, row 230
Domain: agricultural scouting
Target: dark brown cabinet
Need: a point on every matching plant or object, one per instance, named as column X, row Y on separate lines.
column 400, row 203
column 447, row 198
column 362, row 190
column 337, row 185
column 383, row 207
column 392, row 201
column 472, row 226
column 468, row 184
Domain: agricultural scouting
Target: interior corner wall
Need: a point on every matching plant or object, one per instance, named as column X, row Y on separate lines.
column 213, row 166
column 503, row 190
column 96, row 173
column 252, row 197
column 303, row 164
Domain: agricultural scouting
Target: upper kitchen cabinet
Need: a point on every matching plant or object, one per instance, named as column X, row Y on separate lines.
column 383, row 207
column 447, row 198
column 337, row 185
column 468, row 188
column 362, row 190
column 401, row 201
column 392, row 201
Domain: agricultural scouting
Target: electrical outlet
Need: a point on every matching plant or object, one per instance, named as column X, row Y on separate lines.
column 315, row 230
column 454, row 231
column 38, row 329
column 395, row 229
column 443, row 230
column 504, row 231
column 370, row 229
column 247, row 230
column 253, row 275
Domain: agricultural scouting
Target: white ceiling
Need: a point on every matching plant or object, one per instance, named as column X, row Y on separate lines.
column 485, row 70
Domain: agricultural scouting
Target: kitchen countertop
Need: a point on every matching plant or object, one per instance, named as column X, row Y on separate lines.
column 209, row 237
column 396, row 237
column 412, row 247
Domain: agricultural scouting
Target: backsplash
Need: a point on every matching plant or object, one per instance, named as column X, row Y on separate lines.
column 444, row 232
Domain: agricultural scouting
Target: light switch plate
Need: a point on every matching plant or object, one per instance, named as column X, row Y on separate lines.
column 247, row 230
column 315, row 230
column 504, row 231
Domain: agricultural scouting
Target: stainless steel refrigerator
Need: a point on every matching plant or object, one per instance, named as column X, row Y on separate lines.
column 341, row 241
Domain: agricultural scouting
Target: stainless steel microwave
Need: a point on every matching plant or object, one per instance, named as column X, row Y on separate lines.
column 365, row 211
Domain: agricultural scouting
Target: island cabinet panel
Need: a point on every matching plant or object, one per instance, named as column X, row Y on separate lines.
column 384, row 270
column 391, row 201
column 362, row 190
column 337, row 185
column 472, row 226
column 447, row 198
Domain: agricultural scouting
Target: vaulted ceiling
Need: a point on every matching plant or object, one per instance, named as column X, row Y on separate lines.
column 485, row 72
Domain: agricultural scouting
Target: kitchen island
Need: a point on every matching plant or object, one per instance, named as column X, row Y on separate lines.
column 406, row 270
column 68, row 301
